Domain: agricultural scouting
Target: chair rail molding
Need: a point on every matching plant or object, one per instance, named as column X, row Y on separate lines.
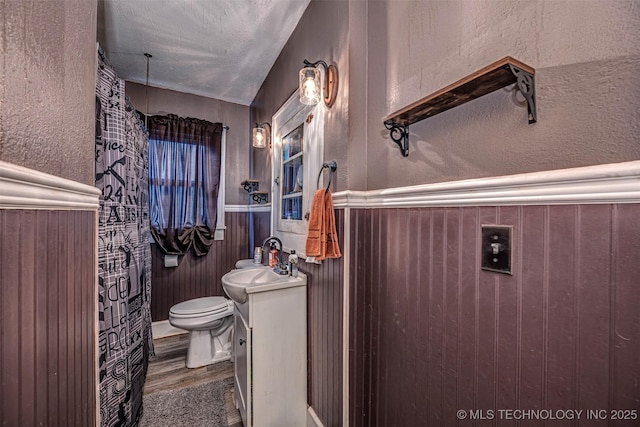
column 600, row 184
column 248, row 208
column 24, row 188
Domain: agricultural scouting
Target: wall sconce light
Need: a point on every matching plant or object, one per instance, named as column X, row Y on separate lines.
column 310, row 83
column 261, row 138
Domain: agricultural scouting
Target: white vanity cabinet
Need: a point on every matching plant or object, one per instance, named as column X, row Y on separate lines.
column 270, row 356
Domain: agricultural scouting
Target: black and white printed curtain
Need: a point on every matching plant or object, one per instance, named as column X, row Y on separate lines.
column 124, row 254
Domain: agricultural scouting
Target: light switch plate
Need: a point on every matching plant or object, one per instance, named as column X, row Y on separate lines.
column 496, row 248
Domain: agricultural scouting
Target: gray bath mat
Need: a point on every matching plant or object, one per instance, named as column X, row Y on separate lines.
column 197, row 406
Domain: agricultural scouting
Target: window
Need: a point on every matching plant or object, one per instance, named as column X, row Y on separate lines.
column 173, row 173
column 292, row 175
column 185, row 162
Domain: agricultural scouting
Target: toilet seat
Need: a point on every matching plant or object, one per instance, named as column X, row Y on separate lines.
column 199, row 307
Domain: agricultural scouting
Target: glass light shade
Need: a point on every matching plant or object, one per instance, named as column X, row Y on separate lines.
column 260, row 137
column 310, row 86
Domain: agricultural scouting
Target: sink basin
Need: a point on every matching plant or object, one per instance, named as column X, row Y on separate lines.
column 238, row 284
column 248, row 263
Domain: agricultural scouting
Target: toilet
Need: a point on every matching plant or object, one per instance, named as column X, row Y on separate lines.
column 209, row 321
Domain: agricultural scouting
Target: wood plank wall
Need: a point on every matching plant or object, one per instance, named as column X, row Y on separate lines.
column 261, row 227
column 47, row 312
column 324, row 334
column 197, row 276
column 431, row 333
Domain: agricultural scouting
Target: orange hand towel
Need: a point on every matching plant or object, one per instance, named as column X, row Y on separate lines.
column 331, row 246
column 322, row 240
column 316, row 214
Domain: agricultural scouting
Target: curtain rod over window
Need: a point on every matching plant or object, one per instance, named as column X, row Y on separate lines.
column 161, row 114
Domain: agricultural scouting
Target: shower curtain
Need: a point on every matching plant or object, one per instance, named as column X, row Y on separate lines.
column 124, row 254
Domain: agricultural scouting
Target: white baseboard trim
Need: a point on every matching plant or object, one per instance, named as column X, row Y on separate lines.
column 23, row 188
column 600, row 184
column 163, row 329
column 312, row 418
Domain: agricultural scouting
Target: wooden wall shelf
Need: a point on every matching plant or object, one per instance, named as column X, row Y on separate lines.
column 252, row 186
column 490, row 78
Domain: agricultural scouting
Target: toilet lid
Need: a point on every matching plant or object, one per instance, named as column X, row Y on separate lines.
column 200, row 305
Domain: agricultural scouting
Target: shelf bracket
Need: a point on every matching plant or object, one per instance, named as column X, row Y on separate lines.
column 260, row 196
column 526, row 85
column 400, row 135
column 250, row 185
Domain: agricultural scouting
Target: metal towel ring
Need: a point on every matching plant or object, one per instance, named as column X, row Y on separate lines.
column 332, row 166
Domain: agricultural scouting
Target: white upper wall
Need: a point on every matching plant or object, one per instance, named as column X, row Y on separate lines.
column 47, row 86
column 433, row 43
column 586, row 55
column 394, row 52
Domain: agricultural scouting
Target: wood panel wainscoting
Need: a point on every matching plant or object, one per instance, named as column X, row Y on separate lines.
column 431, row 333
column 48, row 300
column 324, row 335
column 261, row 228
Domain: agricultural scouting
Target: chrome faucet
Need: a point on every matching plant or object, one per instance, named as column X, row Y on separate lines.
column 280, row 266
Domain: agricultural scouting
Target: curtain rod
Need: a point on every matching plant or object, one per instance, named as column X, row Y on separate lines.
column 225, row 127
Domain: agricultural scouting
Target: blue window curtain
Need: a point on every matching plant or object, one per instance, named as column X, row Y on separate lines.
column 184, row 178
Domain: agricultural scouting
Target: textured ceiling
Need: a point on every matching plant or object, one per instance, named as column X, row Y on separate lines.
column 221, row 49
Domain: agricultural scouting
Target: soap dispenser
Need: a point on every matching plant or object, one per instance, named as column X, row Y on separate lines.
column 293, row 263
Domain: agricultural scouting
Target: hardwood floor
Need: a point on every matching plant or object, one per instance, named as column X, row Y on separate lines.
column 168, row 372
